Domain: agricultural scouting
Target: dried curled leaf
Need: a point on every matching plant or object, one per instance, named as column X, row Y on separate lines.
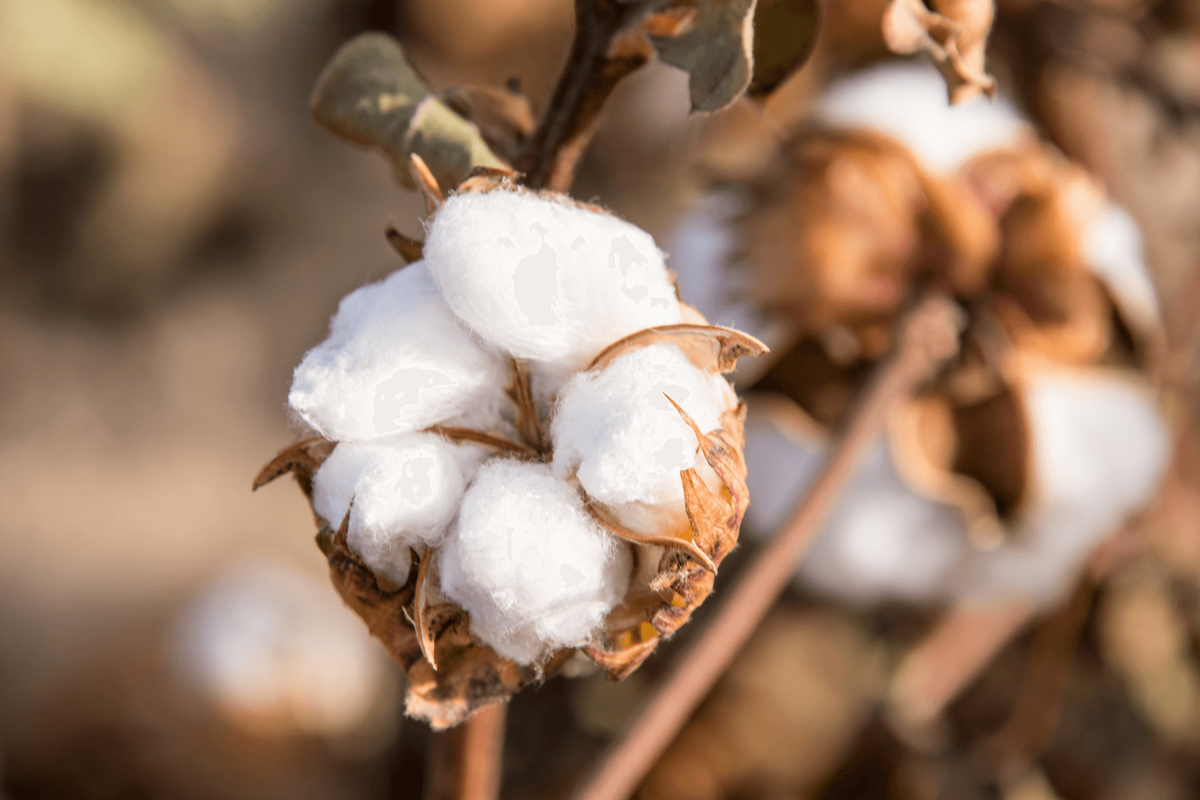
column 709, row 347
column 714, row 41
column 785, row 32
column 954, row 35
column 371, row 95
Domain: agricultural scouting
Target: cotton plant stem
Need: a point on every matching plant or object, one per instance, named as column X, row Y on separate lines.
column 593, row 69
column 928, row 338
column 466, row 762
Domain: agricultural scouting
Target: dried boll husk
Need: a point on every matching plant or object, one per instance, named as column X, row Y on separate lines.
column 468, row 627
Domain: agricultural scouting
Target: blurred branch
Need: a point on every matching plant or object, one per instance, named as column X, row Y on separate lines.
column 929, row 336
column 467, row 761
column 600, row 57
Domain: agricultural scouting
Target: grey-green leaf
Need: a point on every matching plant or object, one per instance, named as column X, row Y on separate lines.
column 716, row 50
column 371, row 95
column 785, row 32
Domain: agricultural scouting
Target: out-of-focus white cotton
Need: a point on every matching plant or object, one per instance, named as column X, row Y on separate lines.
column 396, row 361
column 907, row 101
column 546, row 280
column 625, row 442
column 529, row 565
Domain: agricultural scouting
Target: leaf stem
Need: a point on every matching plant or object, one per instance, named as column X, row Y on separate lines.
column 928, row 337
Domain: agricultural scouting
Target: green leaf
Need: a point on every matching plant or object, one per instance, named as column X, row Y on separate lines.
column 785, row 32
column 371, row 95
column 716, row 48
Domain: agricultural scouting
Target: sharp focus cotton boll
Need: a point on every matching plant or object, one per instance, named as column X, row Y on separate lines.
column 1100, row 446
column 405, row 491
column 624, row 440
column 908, row 102
column 546, row 280
column 396, row 361
column 528, row 564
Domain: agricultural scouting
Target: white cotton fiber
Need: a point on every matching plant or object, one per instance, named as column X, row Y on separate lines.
column 530, row 566
column 396, row 361
column 1112, row 245
column 1100, row 446
column 624, row 440
column 908, row 102
column 405, row 489
column 545, row 280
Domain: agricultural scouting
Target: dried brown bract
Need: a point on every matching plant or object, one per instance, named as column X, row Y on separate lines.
column 954, row 34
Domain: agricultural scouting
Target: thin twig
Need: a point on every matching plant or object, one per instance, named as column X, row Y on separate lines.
column 928, row 338
column 596, row 64
column 466, row 761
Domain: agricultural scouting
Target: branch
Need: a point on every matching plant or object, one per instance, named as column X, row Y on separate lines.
column 928, row 338
column 466, row 762
column 599, row 59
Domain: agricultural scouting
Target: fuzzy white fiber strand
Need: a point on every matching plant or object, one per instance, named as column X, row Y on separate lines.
column 529, row 565
column 396, row 361
column 405, row 490
column 1112, row 246
column 625, row 442
column 907, row 101
column 546, row 280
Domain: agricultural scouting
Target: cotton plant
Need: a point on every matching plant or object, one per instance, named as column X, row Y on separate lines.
column 994, row 483
column 522, row 451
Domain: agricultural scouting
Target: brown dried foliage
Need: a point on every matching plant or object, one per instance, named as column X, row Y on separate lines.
column 954, row 34
column 841, row 245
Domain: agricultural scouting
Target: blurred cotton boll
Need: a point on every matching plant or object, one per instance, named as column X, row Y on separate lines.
column 276, row 652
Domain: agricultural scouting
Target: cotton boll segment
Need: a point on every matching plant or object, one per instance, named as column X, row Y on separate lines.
column 545, row 280
column 1100, row 446
column 908, row 102
column 625, row 442
column 396, row 361
column 405, row 491
column 528, row 564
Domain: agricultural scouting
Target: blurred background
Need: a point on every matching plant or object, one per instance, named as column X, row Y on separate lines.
column 175, row 232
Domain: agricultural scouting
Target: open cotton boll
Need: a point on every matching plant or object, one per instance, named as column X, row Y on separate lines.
column 528, row 564
column 1100, row 446
column 396, row 361
column 627, row 444
column 405, row 491
column 546, row 280
column 908, row 102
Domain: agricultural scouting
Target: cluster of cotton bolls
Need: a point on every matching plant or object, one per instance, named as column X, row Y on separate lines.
column 1098, row 441
column 510, row 275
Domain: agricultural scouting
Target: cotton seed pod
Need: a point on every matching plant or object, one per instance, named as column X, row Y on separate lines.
column 1042, row 437
column 563, row 473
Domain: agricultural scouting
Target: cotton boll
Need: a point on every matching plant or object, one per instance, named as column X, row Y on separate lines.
column 908, row 102
column 396, row 361
column 405, row 490
column 1100, row 446
column 546, row 280
column 529, row 565
column 625, row 442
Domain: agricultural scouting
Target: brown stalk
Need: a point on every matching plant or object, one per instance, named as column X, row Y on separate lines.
column 928, row 338
column 466, row 761
column 599, row 59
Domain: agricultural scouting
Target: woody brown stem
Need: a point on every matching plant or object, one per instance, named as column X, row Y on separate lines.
column 466, row 762
column 598, row 61
column 928, row 338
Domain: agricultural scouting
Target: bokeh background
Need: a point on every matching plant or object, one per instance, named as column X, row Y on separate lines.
column 175, row 232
